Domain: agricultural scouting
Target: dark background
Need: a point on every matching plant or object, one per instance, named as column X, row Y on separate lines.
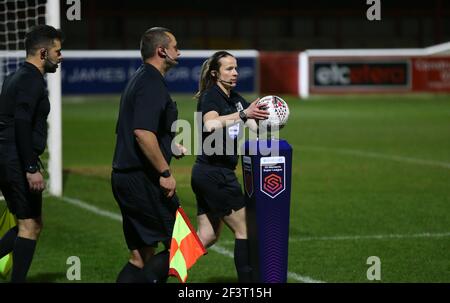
column 261, row 25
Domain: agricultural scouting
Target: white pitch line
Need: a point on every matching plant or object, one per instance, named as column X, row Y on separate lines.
column 363, row 237
column 304, row 279
column 354, row 152
column 216, row 248
column 378, row 237
column 93, row 209
column 294, row 276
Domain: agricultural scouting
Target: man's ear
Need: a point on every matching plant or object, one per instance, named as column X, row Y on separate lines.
column 43, row 52
column 162, row 52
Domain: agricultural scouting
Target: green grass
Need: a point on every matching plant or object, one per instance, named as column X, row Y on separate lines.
column 363, row 166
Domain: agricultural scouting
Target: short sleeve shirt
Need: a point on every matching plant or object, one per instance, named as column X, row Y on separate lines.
column 145, row 104
column 225, row 155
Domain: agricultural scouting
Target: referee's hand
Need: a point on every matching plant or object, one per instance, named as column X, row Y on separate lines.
column 179, row 151
column 168, row 185
column 36, row 182
column 257, row 112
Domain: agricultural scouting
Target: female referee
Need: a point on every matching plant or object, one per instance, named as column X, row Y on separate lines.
column 218, row 192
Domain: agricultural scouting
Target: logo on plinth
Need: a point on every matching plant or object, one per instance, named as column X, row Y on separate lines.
column 248, row 175
column 272, row 176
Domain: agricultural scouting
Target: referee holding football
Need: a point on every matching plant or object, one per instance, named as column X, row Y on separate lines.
column 218, row 192
column 142, row 183
column 24, row 107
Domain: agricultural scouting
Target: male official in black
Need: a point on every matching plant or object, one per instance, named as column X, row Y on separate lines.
column 142, row 182
column 24, row 107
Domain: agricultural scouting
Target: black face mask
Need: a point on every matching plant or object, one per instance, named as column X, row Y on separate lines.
column 50, row 67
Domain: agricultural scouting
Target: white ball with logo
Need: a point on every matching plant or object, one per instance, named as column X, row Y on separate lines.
column 278, row 112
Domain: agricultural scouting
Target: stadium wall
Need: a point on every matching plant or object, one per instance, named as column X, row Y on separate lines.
column 282, row 73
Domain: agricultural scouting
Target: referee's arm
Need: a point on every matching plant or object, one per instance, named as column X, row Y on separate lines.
column 213, row 120
column 150, row 147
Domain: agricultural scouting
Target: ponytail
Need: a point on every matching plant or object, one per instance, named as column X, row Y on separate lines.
column 207, row 80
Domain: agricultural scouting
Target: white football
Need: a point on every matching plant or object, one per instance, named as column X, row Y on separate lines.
column 278, row 111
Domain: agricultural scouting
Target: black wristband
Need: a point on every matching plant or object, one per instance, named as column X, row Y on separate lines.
column 243, row 116
column 165, row 174
column 32, row 169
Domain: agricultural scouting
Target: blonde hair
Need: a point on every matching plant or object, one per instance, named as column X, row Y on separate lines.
column 207, row 79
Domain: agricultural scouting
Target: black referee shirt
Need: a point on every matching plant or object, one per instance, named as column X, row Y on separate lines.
column 24, row 107
column 145, row 104
column 214, row 99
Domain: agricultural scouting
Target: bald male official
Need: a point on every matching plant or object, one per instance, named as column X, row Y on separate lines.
column 142, row 182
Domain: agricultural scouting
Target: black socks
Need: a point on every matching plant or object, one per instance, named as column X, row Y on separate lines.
column 130, row 274
column 156, row 270
column 7, row 242
column 242, row 261
column 23, row 252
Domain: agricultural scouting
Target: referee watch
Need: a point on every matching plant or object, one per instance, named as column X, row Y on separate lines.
column 165, row 174
column 243, row 116
column 32, row 169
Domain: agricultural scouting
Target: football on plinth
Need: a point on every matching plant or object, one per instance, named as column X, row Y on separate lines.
column 278, row 112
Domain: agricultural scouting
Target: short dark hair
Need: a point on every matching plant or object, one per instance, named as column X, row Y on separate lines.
column 40, row 36
column 153, row 38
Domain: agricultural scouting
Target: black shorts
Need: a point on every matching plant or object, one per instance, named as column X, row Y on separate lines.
column 217, row 190
column 23, row 203
column 148, row 216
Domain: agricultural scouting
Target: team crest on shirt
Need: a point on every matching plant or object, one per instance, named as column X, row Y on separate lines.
column 239, row 106
column 272, row 176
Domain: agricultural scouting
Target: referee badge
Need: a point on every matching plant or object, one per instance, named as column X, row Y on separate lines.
column 233, row 131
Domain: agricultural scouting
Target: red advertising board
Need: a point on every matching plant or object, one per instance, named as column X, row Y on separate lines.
column 431, row 74
column 278, row 73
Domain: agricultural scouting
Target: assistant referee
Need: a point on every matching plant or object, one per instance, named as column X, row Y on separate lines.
column 142, row 183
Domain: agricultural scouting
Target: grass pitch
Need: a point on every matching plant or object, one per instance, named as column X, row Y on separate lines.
column 371, row 177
